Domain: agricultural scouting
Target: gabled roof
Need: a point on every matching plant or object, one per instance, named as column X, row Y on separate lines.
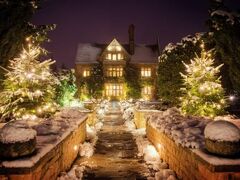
column 89, row 53
column 145, row 54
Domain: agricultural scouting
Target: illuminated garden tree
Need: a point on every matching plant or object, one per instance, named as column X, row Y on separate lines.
column 203, row 93
column 29, row 86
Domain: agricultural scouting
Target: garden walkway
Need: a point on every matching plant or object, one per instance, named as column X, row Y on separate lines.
column 115, row 156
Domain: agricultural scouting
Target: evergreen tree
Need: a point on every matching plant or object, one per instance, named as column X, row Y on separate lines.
column 15, row 26
column 29, row 87
column 169, row 80
column 203, row 93
column 66, row 89
column 224, row 37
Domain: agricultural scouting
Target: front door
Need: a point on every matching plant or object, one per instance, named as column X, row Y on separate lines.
column 114, row 90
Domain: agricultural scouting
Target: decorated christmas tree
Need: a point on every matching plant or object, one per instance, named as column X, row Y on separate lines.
column 203, row 93
column 29, row 86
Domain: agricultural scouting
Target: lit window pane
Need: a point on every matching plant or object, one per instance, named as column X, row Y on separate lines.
column 146, row 72
column 114, row 57
column 86, row 73
column 119, row 56
column 109, row 56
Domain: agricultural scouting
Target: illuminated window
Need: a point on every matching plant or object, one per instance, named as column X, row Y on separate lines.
column 114, row 57
column 109, row 56
column 119, row 56
column 86, row 73
column 115, row 72
column 114, row 90
column 118, row 48
column 146, row 72
column 147, row 90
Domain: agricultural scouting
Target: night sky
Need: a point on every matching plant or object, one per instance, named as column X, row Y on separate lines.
column 102, row 20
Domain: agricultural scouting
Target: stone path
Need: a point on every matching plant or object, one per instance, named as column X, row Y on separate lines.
column 115, row 156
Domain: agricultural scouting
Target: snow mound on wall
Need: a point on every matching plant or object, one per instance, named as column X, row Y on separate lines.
column 185, row 131
column 222, row 131
column 11, row 134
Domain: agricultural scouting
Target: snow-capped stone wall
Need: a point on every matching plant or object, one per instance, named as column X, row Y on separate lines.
column 192, row 163
column 58, row 142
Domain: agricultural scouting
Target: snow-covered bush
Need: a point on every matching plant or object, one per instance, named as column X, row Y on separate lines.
column 101, row 110
column 128, row 110
column 87, row 148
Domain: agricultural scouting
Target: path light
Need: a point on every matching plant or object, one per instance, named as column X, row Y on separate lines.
column 151, row 151
column 75, row 147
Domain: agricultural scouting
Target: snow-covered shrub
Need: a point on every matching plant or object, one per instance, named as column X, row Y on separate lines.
column 128, row 110
column 86, row 149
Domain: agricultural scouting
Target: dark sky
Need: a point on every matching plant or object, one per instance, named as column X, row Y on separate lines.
column 102, row 20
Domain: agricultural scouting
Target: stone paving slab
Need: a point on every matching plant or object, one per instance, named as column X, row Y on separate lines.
column 115, row 155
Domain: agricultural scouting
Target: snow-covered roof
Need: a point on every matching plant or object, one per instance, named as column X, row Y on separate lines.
column 144, row 54
column 87, row 53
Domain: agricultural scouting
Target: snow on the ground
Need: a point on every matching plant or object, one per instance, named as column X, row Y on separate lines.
column 186, row 131
column 87, row 148
column 152, row 158
column 222, row 131
column 11, row 134
column 101, row 109
column 149, row 152
column 127, row 108
column 76, row 173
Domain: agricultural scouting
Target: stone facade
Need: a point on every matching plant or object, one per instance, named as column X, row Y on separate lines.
column 114, row 57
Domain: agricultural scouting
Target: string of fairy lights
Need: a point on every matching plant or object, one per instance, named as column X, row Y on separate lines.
column 29, row 86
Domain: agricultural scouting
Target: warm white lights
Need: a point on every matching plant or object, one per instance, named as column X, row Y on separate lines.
column 86, row 73
column 231, row 97
column 146, row 72
column 75, row 147
column 151, row 152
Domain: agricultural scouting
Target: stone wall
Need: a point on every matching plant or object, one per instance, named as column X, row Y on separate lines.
column 58, row 158
column 140, row 117
column 193, row 164
column 92, row 119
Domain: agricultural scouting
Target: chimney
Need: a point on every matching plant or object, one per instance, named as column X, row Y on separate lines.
column 131, row 39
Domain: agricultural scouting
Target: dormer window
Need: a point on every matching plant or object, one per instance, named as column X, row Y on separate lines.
column 146, row 72
column 114, row 56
